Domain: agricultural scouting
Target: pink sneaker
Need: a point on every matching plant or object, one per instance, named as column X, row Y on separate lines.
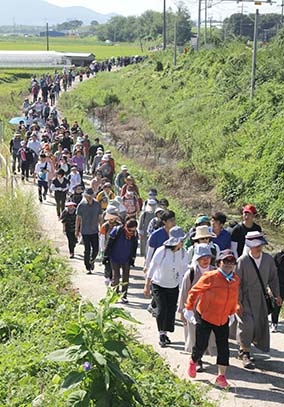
column 192, row 369
column 221, row 382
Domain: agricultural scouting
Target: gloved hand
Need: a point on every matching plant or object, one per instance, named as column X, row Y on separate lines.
column 188, row 314
column 105, row 260
column 231, row 319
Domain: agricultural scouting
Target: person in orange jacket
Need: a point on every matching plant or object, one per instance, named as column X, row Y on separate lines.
column 214, row 298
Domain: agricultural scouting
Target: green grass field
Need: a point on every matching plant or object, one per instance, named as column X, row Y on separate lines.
column 69, row 44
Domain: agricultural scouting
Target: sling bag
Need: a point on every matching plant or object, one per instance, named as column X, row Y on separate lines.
column 270, row 302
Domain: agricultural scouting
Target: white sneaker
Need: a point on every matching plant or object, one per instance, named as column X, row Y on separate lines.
column 107, row 281
column 273, row 328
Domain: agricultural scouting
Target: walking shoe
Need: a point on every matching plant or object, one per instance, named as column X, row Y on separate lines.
column 221, row 382
column 247, row 362
column 273, row 328
column 200, row 367
column 92, row 264
column 191, row 371
column 44, row 197
column 71, row 256
column 162, row 341
column 124, row 300
column 89, row 272
column 167, row 339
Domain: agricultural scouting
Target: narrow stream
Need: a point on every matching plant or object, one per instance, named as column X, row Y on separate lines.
column 275, row 235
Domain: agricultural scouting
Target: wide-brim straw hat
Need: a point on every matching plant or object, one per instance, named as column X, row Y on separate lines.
column 203, row 232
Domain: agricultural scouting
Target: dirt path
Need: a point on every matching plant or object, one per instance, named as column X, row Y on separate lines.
column 262, row 387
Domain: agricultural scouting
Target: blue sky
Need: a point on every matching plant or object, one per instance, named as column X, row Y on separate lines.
column 220, row 10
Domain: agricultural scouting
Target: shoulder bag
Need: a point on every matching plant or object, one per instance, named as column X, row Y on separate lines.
column 269, row 299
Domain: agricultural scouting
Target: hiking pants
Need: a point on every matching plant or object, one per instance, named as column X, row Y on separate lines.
column 42, row 185
column 71, row 241
column 16, row 159
column 203, row 330
column 166, row 301
column 25, row 165
column 276, row 311
column 60, row 198
column 91, row 244
column 116, row 276
column 108, row 271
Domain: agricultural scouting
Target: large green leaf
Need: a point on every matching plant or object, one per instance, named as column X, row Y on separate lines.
column 70, row 354
column 90, row 316
column 123, row 314
column 78, row 399
column 118, row 373
column 72, row 380
column 99, row 358
column 59, row 356
column 117, row 347
column 74, row 334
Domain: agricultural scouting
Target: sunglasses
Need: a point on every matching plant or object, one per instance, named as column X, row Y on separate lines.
column 229, row 261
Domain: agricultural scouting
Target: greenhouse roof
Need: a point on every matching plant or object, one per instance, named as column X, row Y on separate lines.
column 33, row 59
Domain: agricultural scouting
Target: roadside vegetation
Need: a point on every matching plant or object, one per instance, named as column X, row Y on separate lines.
column 41, row 314
column 202, row 109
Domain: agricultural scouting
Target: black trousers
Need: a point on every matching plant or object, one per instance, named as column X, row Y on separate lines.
column 276, row 311
column 116, row 276
column 108, row 271
column 25, row 165
column 42, row 185
column 71, row 241
column 202, row 333
column 60, row 198
column 16, row 159
column 91, row 244
column 166, row 302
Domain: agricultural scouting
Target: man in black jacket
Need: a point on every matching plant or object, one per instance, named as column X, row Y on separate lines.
column 121, row 253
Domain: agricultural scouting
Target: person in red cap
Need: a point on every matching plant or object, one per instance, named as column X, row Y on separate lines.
column 241, row 229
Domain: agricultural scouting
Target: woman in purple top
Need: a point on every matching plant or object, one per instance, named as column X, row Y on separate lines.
column 78, row 159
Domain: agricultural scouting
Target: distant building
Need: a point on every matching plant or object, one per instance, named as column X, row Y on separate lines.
column 52, row 33
column 80, row 58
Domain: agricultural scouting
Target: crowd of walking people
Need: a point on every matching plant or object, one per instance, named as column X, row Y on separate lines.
column 216, row 278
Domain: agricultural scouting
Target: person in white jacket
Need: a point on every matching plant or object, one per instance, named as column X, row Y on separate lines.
column 167, row 268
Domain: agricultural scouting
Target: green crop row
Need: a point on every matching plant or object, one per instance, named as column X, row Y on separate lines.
column 70, row 44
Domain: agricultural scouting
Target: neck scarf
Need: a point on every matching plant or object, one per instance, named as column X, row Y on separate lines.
column 228, row 277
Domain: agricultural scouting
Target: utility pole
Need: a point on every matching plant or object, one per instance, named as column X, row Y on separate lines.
column 205, row 28
column 198, row 25
column 210, row 29
column 165, row 27
column 47, row 37
column 175, row 44
column 282, row 7
column 253, row 69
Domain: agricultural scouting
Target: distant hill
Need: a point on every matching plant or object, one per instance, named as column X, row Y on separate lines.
column 37, row 12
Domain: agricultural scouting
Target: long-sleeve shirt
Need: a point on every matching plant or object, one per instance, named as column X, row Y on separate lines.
column 155, row 241
column 167, row 267
column 218, row 298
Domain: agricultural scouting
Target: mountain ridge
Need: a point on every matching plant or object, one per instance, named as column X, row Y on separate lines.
column 38, row 12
